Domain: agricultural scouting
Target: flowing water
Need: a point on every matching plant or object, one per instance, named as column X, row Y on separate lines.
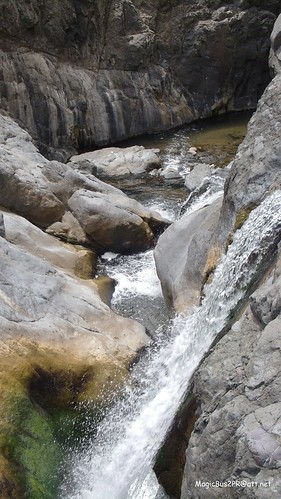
column 138, row 288
column 135, row 276
column 138, row 292
column 216, row 140
column 118, row 463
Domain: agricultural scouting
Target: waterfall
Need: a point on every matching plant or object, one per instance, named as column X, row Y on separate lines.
column 120, row 458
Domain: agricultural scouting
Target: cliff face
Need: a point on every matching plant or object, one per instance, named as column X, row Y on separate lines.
column 234, row 447
column 78, row 74
column 236, row 439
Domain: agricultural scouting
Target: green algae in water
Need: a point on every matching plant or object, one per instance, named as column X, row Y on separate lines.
column 216, row 139
column 220, row 137
column 32, row 447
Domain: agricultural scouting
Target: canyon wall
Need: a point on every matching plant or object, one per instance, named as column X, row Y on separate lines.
column 81, row 74
column 236, row 437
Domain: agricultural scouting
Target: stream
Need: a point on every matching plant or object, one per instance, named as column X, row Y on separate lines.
column 117, row 463
column 217, row 140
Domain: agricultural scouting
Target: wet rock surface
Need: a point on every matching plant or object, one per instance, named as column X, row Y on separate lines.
column 237, row 388
column 236, row 439
column 105, row 71
column 181, row 256
column 60, row 343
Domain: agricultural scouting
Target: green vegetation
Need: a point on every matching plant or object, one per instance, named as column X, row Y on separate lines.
column 242, row 216
column 49, row 399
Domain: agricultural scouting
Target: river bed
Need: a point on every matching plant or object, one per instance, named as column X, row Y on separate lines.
column 138, row 291
column 132, row 432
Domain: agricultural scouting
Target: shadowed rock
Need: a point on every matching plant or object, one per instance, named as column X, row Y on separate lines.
column 78, row 75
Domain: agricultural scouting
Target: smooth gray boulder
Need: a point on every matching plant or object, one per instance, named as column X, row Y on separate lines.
column 181, row 256
column 117, row 161
column 48, row 304
column 47, row 192
column 198, row 173
column 108, row 223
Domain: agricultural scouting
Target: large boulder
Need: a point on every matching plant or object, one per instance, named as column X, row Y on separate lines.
column 64, row 355
column 110, row 223
column 123, row 68
column 117, row 161
column 63, row 200
column 182, row 256
column 40, row 301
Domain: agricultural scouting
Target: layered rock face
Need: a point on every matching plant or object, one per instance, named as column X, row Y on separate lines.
column 81, row 74
column 237, row 435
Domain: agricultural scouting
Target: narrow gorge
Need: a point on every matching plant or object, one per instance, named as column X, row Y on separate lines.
column 140, row 291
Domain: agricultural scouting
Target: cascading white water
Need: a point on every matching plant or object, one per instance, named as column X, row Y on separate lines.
column 134, row 275
column 137, row 284
column 119, row 461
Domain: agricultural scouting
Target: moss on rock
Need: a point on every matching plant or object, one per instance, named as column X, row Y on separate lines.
column 106, row 287
column 242, row 215
column 49, row 394
column 210, row 266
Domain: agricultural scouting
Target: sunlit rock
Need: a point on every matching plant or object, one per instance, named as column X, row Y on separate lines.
column 115, row 161
column 62, row 200
column 181, row 256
